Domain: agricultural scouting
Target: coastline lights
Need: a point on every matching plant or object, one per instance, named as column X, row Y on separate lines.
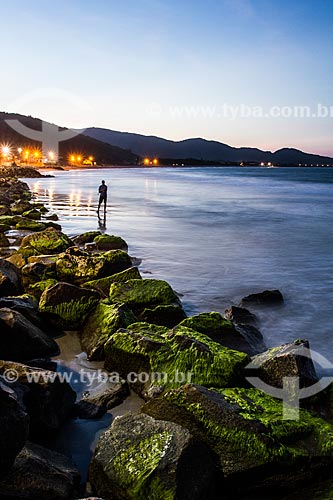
column 148, row 161
column 5, row 150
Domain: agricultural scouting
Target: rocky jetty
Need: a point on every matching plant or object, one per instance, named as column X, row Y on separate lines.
column 203, row 431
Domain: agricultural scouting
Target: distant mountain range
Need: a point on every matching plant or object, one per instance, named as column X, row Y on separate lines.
column 103, row 153
column 109, row 147
column 201, row 149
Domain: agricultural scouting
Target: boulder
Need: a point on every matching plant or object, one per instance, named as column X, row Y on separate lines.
column 4, row 242
column 287, row 360
column 52, row 217
column 33, row 214
column 17, row 259
column 143, row 458
column 38, row 271
column 4, row 228
column 103, row 322
column 14, row 427
column 180, row 356
column 20, row 340
column 84, row 238
column 9, row 220
column 30, row 225
column 142, row 294
column 224, row 332
column 4, row 210
column 10, row 279
column 26, row 305
column 18, row 207
column 68, row 306
column 46, row 398
column 77, row 266
column 258, row 450
column 169, row 315
column 240, row 315
column 37, row 289
column 110, row 242
column 103, row 284
column 45, row 242
column 40, row 474
column 96, row 403
column 265, row 298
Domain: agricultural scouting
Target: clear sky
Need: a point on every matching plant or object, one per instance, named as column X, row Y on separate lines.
column 174, row 68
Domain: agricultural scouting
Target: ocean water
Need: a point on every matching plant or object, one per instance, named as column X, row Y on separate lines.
column 218, row 234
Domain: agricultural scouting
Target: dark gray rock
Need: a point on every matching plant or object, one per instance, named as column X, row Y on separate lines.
column 265, row 298
column 40, row 474
column 20, row 340
column 10, row 279
column 96, row 403
column 140, row 457
column 240, row 315
column 168, row 315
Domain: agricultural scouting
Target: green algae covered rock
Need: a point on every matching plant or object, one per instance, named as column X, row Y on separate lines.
column 38, row 271
column 19, row 207
column 77, row 266
column 245, row 427
column 4, row 242
column 169, row 315
column 45, row 242
column 110, row 242
column 30, row 225
column 103, row 284
column 246, row 339
column 87, row 237
column 68, row 306
column 37, row 289
column 105, row 320
column 4, row 228
column 32, row 214
column 140, row 458
column 140, row 294
column 9, row 220
column 183, row 355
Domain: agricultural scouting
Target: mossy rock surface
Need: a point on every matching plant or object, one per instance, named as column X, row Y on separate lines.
column 103, row 284
column 37, row 289
column 104, row 321
column 4, row 228
column 68, row 306
column 4, row 210
column 110, row 242
column 144, row 293
column 156, row 349
column 140, row 458
column 169, row 315
column 87, row 237
column 19, row 207
column 45, row 242
column 33, row 214
column 30, row 225
column 245, row 427
column 77, row 266
column 38, row 271
column 9, row 220
column 224, row 332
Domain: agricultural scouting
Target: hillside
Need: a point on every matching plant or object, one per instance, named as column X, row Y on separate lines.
column 201, row 149
column 103, row 153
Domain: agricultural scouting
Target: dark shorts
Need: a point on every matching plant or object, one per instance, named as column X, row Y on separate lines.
column 102, row 199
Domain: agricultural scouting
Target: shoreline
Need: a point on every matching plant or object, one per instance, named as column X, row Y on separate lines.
column 96, row 274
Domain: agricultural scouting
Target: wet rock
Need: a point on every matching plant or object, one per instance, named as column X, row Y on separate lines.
column 19, row 207
column 10, row 279
column 38, row 271
column 103, row 284
column 144, row 293
column 45, row 242
column 4, row 210
column 25, row 305
column 30, row 225
column 14, row 427
column 53, row 217
column 84, row 238
column 267, row 297
column 68, row 306
column 96, row 403
column 77, row 266
column 45, row 397
column 110, row 242
column 169, row 315
column 288, row 360
column 20, row 340
column 258, row 449
column 4, row 242
column 40, row 474
column 140, row 457
column 4, row 228
column 247, row 339
column 181, row 354
column 37, row 289
column 17, row 259
column 240, row 315
column 32, row 214
column 9, row 220
column 105, row 320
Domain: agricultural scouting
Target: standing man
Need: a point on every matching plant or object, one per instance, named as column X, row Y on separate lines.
column 103, row 191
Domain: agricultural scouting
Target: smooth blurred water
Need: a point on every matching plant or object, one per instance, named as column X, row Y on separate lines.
column 218, row 234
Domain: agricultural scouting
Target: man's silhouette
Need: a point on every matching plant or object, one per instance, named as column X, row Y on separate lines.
column 103, row 194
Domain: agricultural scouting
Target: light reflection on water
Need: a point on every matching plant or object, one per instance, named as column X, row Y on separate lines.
column 219, row 234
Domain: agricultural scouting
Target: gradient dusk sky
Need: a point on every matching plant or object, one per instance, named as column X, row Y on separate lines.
column 175, row 68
